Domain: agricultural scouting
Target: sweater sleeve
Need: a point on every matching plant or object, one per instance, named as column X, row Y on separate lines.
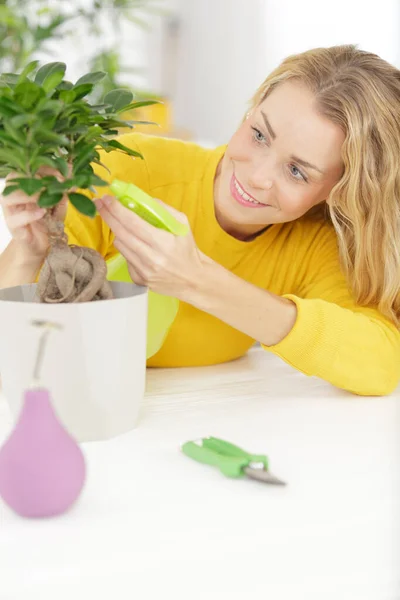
column 355, row 348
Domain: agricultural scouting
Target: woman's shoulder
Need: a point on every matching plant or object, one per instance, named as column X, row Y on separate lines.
column 168, row 160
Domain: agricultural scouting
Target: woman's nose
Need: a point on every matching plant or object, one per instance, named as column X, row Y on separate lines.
column 261, row 177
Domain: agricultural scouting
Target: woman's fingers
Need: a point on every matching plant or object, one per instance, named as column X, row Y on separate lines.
column 17, row 199
column 121, row 219
column 24, row 218
column 132, row 250
column 132, row 260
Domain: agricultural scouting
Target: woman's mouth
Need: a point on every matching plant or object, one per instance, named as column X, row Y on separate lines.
column 241, row 196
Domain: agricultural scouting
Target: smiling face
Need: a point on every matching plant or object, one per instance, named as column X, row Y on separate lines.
column 283, row 160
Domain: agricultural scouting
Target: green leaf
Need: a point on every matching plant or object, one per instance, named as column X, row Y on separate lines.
column 61, row 165
column 91, row 78
column 7, row 140
column 133, row 123
column 8, row 108
column 82, row 90
column 30, row 67
column 42, row 161
column 21, row 120
column 50, row 76
column 10, row 78
column 118, row 99
column 13, row 157
column 97, row 120
column 16, row 134
column 85, row 156
column 10, row 189
column 46, row 200
column 54, row 138
column 61, row 125
column 29, row 185
column 111, row 132
column 28, row 93
column 67, row 96
column 100, row 106
column 96, row 180
column 49, row 106
column 111, row 144
column 59, row 187
column 81, row 180
column 139, row 104
column 93, row 131
column 78, row 108
column 50, row 181
column 83, row 204
column 65, row 85
column 52, row 81
column 111, row 123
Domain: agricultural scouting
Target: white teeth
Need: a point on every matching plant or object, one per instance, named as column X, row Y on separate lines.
column 239, row 189
column 244, row 195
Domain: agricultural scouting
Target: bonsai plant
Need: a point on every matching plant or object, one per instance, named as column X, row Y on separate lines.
column 47, row 121
column 50, row 137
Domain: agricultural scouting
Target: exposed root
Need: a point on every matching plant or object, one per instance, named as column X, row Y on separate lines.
column 71, row 273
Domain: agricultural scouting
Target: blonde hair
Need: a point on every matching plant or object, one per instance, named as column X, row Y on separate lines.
column 360, row 92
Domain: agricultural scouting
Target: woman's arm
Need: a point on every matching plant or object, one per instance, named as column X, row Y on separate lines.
column 17, row 268
column 259, row 314
column 319, row 331
column 358, row 351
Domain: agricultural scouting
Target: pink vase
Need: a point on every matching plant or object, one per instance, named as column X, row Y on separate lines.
column 42, row 469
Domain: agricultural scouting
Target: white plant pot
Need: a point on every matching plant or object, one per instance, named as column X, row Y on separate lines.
column 95, row 368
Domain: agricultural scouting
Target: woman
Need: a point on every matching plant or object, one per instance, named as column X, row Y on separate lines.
column 295, row 226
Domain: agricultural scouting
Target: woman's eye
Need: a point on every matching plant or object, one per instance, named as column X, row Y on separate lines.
column 258, row 136
column 296, row 173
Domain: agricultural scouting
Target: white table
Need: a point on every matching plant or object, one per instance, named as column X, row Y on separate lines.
column 153, row 524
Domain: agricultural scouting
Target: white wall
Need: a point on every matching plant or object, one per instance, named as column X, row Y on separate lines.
column 220, row 63
column 292, row 27
column 227, row 47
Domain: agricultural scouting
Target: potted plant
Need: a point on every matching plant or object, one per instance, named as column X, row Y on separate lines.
column 97, row 367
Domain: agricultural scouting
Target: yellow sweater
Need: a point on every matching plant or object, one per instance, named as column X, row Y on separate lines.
column 352, row 347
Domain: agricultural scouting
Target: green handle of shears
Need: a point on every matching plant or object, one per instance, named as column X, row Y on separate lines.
column 227, row 449
column 229, row 465
column 230, row 459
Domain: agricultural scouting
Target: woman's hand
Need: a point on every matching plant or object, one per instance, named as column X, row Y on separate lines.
column 168, row 264
column 24, row 220
column 174, row 266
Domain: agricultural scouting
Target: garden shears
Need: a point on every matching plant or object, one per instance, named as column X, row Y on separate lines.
column 231, row 460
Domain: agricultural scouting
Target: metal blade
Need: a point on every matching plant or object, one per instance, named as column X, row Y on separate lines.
column 263, row 475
